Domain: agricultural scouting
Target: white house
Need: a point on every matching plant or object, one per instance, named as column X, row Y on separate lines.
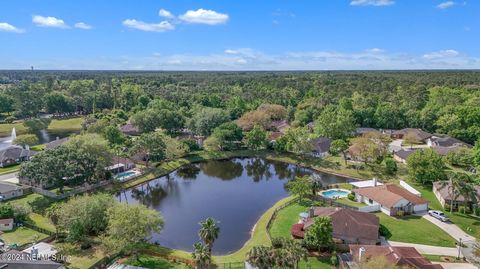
column 391, row 199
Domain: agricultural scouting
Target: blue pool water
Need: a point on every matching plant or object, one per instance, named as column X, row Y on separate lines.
column 124, row 175
column 335, row 193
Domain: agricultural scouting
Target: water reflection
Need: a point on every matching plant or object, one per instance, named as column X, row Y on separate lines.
column 235, row 192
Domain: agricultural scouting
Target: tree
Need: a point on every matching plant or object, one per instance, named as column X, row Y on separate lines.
column 339, row 146
column 146, row 120
column 260, row 257
column 201, row 256
column 371, row 147
column 256, row 139
column 6, row 103
column 390, row 166
column 229, row 135
column 56, row 102
column 21, row 211
column 170, row 120
column 335, row 123
column 174, row 148
column 113, row 135
column 151, row 146
column 26, row 140
column 425, row 166
column 209, row 232
column 301, row 186
column 284, row 253
column 205, row 119
column 129, row 226
column 461, row 156
column 319, row 234
column 35, row 125
column 83, row 215
column 298, row 140
column 6, row 211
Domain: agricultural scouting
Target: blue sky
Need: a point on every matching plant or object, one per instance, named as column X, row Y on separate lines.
column 239, row 34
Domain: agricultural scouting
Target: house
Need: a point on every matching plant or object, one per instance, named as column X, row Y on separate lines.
column 446, row 141
column 443, row 151
column 9, row 191
column 402, row 155
column 55, row 143
column 443, row 192
column 41, row 250
column 129, row 129
column 22, row 260
column 349, row 226
column 274, row 136
column 120, row 164
column 364, row 130
column 14, row 155
column 6, row 225
column 407, row 257
column 321, row 147
column 418, row 134
column 366, row 183
column 391, row 199
column 280, row 126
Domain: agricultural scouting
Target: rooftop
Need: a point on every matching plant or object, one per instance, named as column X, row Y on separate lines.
column 389, row 195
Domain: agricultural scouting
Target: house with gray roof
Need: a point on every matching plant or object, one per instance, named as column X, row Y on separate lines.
column 9, row 191
column 55, row 143
column 14, row 155
column 321, row 147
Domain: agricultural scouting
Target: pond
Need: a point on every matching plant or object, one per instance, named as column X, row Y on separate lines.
column 44, row 136
column 235, row 192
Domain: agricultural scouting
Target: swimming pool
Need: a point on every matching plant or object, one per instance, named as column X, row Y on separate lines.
column 335, row 193
column 125, row 175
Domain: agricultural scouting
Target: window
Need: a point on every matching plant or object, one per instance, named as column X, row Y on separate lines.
column 370, row 201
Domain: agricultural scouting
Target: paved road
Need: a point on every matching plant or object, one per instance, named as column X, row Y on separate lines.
column 6, row 177
column 447, row 265
column 457, row 233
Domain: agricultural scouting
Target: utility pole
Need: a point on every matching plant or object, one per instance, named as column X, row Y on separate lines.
column 459, row 246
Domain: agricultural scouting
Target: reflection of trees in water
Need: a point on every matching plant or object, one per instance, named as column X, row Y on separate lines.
column 282, row 170
column 258, row 169
column 189, row 171
column 224, row 170
column 152, row 193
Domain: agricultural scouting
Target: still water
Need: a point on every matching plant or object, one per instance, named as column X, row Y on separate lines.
column 235, row 192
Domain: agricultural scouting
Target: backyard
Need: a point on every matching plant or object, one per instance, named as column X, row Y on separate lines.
column 22, row 236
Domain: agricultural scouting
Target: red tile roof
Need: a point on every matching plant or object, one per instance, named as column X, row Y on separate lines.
column 389, row 195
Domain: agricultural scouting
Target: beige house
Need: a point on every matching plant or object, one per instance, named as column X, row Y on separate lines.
column 442, row 190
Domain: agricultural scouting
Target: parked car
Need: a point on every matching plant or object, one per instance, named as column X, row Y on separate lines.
column 438, row 215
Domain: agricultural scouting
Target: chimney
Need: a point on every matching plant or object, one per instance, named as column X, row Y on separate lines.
column 361, row 253
column 27, row 147
column 374, row 181
column 311, row 212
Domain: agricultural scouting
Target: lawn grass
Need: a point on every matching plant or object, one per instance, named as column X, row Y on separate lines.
column 9, row 169
column 316, row 263
column 153, row 262
column 41, row 222
column 55, row 127
column 22, row 236
column 81, row 258
column 284, row 220
column 349, row 202
column 442, row 258
column 6, row 129
column 415, row 229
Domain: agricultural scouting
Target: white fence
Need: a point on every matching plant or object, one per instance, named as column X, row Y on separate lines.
column 410, row 188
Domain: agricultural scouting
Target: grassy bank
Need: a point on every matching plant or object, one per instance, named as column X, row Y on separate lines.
column 55, row 127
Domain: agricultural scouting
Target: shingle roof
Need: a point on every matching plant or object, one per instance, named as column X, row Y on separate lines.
column 403, row 154
column 444, row 189
column 389, row 195
column 419, row 134
column 401, row 256
column 321, row 144
column 129, row 129
column 7, row 187
column 348, row 223
column 15, row 152
column 6, row 221
column 447, row 141
column 445, row 150
column 55, row 143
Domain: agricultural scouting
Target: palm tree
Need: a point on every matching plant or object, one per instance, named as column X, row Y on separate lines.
column 208, row 232
column 455, row 183
column 201, row 256
column 295, row 252
column 259, row 257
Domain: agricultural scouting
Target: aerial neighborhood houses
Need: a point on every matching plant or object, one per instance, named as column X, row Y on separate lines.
column 14, row 155
column 443, row 192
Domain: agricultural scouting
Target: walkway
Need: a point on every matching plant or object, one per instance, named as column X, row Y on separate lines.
column 448, row 265
column 12, row 178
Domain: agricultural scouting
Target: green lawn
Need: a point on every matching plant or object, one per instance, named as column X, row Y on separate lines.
column 41, row 221
column 55, row 127
column 9, row 169
column 154, row 262
column 284, row 220
column 349, row 202
column 21, row 236
column 415, row 229
column 316, row 263
column 81, row 258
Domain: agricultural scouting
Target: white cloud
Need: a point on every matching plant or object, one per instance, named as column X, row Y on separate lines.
column 82, row 25
column 446, row 5
column 48, row 22
column 375, row 50
column 204, row 16
column 441, row 54
column 165, row 13
column 372, row 2
column 6, row 27
column 148, row 27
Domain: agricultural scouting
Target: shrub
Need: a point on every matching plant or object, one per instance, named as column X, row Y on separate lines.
column 383, row 231
column 400, row 213
column 334, row 259
column 351, row 196
column 477, row 211
column 10, row 119
column 6, row 211
column 390, row 166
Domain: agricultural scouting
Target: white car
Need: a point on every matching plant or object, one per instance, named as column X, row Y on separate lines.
column 438, row 215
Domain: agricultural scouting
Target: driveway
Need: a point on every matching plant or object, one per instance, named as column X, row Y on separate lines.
column 457, row 233
column 425, row 249
column 9, row 177
column 447, row 265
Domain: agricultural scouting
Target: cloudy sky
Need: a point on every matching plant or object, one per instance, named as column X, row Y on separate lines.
column 239, row 34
